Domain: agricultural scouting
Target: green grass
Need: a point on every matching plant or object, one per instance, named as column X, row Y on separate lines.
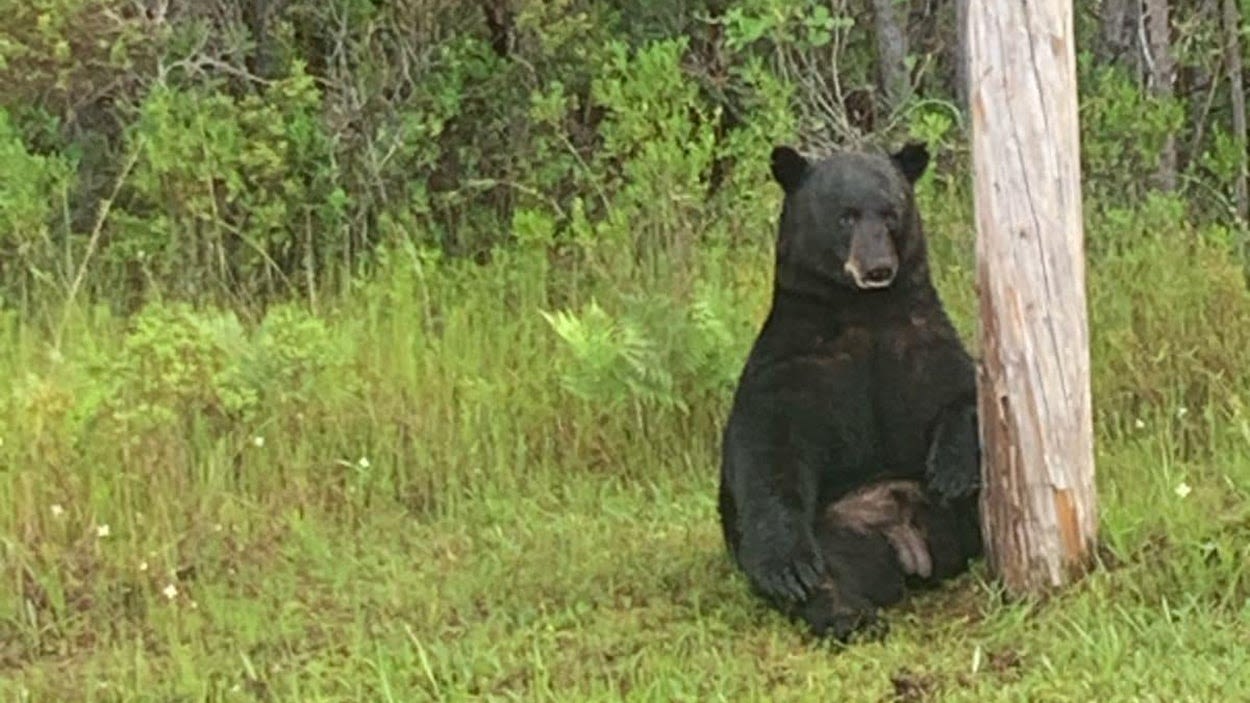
column 423, row 509
column 590, row 589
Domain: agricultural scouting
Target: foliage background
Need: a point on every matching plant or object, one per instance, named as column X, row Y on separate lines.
column 371, row 351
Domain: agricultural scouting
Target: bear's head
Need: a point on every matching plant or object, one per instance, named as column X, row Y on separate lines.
column 849, row 220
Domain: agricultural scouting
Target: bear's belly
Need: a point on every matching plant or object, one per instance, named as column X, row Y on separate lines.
column 854, row 426
column 858, row 426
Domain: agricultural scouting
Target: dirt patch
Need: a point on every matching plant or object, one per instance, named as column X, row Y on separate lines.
column 1006, row 663
column 912, row 687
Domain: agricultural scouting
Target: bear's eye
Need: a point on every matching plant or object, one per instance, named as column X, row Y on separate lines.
column 848, row 217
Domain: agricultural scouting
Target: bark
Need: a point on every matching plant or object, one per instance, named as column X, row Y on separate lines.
column 961, row 53
column 1162, row 66
column 1232, row 56
column 1199, row 85
column 1119, row 40
column 259, row 14
column 1039, row 505
column 501, row 21
column 894, row 79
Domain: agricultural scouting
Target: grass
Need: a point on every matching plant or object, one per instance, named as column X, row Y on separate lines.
column 413, row 503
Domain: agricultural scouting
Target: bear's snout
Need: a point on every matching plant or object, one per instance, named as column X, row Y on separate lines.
column 881, row 275
column 872, row 262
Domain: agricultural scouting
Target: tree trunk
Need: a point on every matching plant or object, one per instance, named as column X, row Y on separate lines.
column 259, row 15
column 1200, row 86
column 1232, row 56
column 1119, row 42
column 1039, row 506
column 1162, row 64
column 891, row 52
column 961, row 54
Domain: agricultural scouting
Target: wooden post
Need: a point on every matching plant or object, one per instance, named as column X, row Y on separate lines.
column 1039, row 506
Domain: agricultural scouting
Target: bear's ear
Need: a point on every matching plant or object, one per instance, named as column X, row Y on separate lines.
column 912, row 160
column 789, row 167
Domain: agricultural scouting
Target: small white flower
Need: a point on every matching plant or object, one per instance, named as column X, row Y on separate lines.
column 363, row 463
column 1183, row 489
column 1140, row 424
column 57, row 510
column 170, row 591
column 143, row 566
column 1181, row 412
column 258, row 441
column 102, row 530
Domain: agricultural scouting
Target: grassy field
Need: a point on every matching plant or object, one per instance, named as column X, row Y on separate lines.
column 411, row 494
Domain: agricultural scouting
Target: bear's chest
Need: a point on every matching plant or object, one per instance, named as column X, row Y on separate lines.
column 881, row 388
column 904, row 357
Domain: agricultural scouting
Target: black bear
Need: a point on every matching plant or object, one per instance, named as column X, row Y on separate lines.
column 851, row 457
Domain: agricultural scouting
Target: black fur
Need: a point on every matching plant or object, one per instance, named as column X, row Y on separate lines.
column 849, row 384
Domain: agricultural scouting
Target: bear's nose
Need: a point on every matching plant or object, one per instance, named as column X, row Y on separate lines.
column 879, row 274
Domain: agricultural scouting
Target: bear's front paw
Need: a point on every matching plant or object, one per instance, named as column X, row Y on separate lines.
column 954, row 486
column 784, row 574
column 953, row 466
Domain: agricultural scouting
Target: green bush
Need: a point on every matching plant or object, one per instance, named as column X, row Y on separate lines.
column 237, row 193
column 33, row 193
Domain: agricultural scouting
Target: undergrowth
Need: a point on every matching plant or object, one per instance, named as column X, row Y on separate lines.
column 446, row 485
column 371, row 351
